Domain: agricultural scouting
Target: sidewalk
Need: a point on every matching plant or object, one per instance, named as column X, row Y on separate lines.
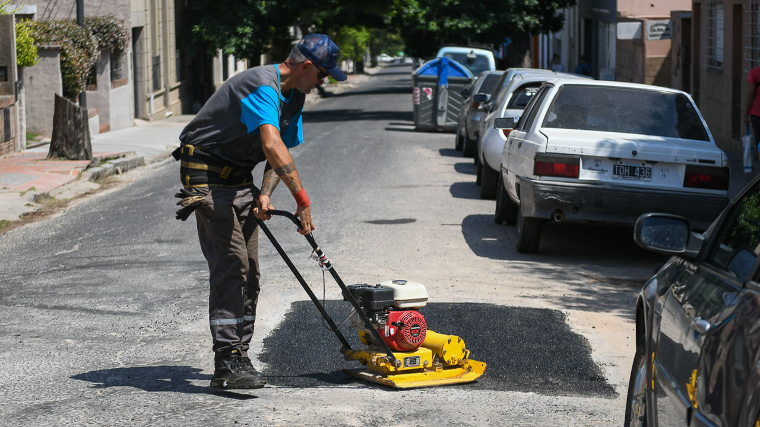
column 27, row 178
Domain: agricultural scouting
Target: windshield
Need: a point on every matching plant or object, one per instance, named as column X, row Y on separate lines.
column 522, row 96
column 475, row 63
column 489, row 83
column 625, row 110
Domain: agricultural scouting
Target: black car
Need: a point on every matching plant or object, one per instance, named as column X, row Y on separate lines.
column 697, row 357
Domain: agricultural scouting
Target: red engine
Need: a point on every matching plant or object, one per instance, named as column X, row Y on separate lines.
column 404, row 331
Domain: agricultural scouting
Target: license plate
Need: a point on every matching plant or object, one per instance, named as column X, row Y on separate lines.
column 632, row 172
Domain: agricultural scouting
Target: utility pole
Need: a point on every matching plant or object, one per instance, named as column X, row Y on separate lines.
column 80, row 22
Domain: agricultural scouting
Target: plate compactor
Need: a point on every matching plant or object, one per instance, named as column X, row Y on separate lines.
column 401, row 351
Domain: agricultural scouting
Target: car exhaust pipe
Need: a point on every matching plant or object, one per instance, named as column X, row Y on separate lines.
column 558, row 215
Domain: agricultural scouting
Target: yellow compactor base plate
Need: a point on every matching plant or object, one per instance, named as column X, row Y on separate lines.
column 464, row 372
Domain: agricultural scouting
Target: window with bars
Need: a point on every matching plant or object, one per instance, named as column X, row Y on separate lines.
column 752, row 37
column 713, row 31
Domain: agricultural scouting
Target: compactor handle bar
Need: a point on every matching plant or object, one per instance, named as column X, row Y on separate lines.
column 326, row 264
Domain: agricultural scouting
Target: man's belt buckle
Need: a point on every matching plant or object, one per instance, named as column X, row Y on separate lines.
column 226, row 172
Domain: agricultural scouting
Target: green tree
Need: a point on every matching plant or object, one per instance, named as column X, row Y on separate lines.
column 237, row 27
column 26, row 50
column 427, row 24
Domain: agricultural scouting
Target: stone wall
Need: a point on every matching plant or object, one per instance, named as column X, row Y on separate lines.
column 41, row 83
column 8, row 86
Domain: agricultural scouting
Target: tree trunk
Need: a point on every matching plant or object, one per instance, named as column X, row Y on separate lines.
column 71, row 132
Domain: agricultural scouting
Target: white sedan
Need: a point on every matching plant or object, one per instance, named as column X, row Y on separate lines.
column 608, row 152
column 510, row 103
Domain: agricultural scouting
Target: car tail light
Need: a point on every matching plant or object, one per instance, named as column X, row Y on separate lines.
column 706, row 177
column 475, row 105
column 566, row 167
column 506, row 132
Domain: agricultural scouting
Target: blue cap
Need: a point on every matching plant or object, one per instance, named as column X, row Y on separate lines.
column 319, row 49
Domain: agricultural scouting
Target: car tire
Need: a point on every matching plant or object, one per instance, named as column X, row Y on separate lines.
column 469, row 147
column 506, row 209
column 477, row 174
column 636, row 402
column 476, row 155
column 459, row 145
column 488, row 180
column 528, row 233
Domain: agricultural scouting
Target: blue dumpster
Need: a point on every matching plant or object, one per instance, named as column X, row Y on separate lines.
column 437, row 94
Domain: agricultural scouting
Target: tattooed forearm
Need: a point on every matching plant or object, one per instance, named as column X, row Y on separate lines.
column 284, row 170
column 288, row 174
column 269, row 183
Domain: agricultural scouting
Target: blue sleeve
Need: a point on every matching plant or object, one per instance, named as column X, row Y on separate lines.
column 260, row 108
column 293, row 135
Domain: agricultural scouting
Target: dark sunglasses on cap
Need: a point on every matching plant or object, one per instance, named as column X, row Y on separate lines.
column 322, row 72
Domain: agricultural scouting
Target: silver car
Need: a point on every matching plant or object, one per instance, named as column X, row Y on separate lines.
column 472, row 111
column 512, row 102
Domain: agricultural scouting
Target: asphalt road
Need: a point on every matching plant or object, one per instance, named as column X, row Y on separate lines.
column 104, row 307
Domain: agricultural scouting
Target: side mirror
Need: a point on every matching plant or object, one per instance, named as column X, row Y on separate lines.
column 481, row 97
column 504, row 123
column 663, row 233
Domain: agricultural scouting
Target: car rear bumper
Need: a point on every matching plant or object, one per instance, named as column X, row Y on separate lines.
column 614, row 204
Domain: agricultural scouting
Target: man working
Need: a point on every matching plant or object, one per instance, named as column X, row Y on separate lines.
column 254, row 116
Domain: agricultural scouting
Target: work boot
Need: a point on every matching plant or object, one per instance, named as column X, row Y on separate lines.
column 232, row 371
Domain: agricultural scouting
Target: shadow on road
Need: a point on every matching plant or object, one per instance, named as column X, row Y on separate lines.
column 465, row 190
column 156, row 379
column 387, row 90
column 467, row 168
column 449, row 152
column 601, row 265
column 322, row 116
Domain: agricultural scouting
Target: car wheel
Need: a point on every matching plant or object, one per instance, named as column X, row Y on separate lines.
column 476, row 155
column 469, row 147
column 528, row 233
column 488, row 180
column 506, row 209
column 636, row 407
column 478, row 173
column 459, row 145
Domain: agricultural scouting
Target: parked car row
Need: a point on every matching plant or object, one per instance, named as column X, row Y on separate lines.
column 611, row 152
column 565, row 148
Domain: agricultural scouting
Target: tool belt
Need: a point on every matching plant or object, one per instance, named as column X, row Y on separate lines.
column 200, row 168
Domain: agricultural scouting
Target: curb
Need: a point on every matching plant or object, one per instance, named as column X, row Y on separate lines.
column 107, row 167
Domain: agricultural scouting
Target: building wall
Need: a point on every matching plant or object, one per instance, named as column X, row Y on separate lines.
column 9, row 118
column 722, row 86
column 8, row 135
column 650, row 8
column 54, row 9
column 161, row 89
column 41, row 83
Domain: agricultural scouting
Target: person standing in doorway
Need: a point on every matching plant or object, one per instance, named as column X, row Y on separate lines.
column 556, row 64
column 584, row 68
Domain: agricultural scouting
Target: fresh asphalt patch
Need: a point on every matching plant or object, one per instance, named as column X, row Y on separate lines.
column 526, row 349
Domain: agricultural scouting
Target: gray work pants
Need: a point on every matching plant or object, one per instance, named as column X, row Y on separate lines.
column 228, row 235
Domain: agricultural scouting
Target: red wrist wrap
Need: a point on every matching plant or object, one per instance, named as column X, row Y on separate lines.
column 301, row 198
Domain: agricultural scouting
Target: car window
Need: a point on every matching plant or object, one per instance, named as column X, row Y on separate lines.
column 739, row 246
column 489, row 83
column 522, row 95
column 475, row 63
column 526, row 121
column 626, row 110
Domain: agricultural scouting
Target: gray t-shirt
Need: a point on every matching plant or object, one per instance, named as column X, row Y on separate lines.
column 228, row 124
